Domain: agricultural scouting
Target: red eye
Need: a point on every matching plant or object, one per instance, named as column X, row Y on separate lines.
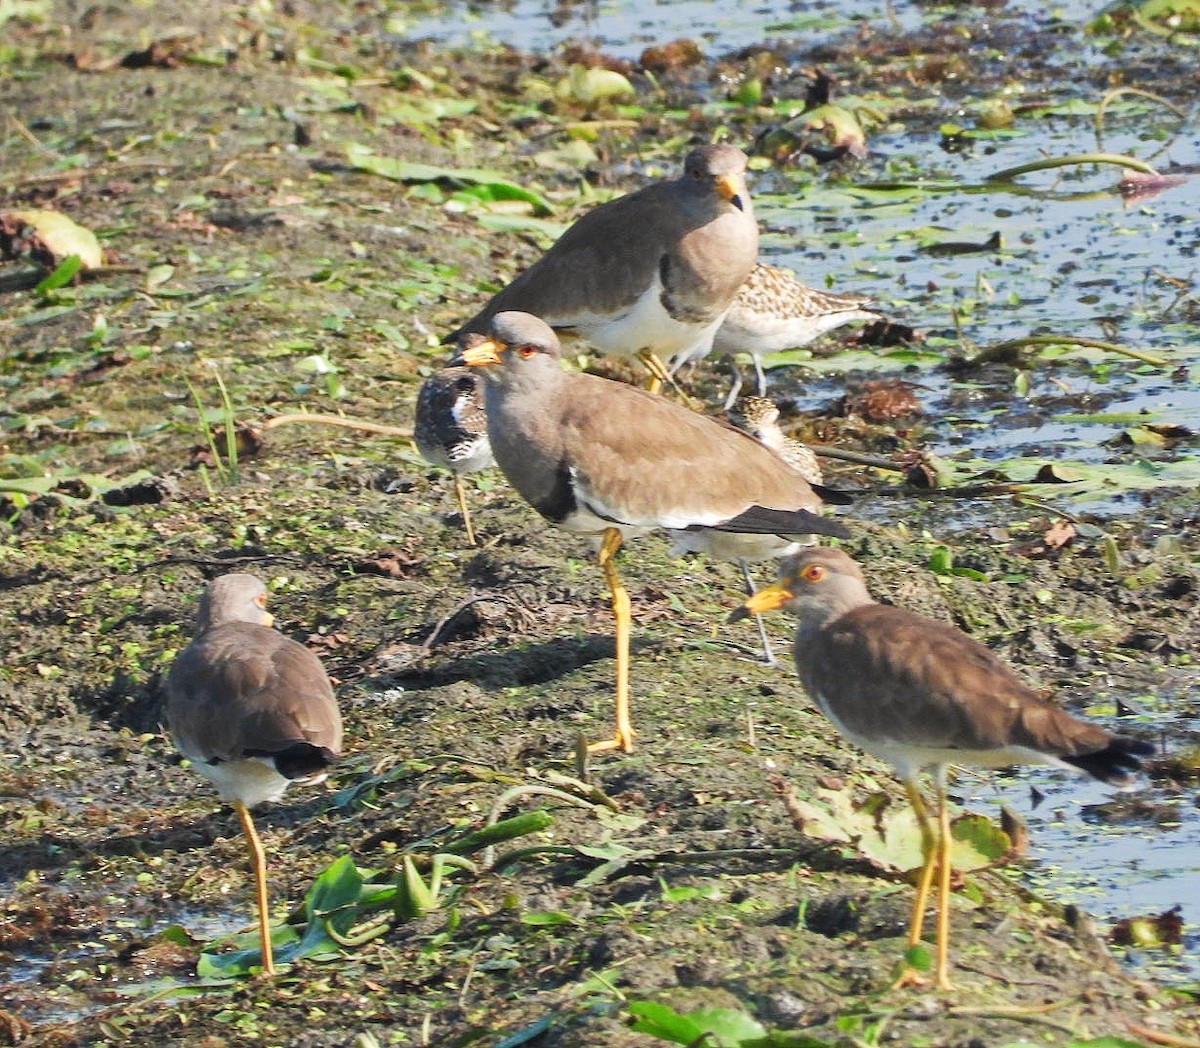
column 525, row 352
column 261, row 600
column 813, row 573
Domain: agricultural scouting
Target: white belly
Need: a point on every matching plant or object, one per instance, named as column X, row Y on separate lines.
column 646, row 325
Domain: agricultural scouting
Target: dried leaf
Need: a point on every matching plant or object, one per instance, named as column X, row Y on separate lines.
column 1059, row 534
column 49, row 237
column 889, row 837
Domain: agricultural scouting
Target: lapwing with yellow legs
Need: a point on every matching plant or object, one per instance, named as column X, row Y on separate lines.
column 253, row 711
column 921, row 694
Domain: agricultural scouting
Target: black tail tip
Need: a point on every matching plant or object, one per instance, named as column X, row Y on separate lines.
column 1117, row 763
column 302, row 760
column 832, row 496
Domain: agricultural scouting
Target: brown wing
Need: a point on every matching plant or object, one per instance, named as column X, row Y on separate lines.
column 599, row 265
column 646, row 461
column 913, row 680
column 241, row 690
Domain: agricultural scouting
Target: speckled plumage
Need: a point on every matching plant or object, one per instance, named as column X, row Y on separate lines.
column 759, row 417
column 450, row 428
column 773, row 311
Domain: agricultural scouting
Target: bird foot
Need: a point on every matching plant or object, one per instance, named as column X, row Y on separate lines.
column 621, row 741
column 910, row 977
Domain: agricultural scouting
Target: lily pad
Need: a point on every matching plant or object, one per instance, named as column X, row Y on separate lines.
column 889, row 837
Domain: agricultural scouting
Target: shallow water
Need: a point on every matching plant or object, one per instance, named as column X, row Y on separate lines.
column 1077, row 258
column 625, row 29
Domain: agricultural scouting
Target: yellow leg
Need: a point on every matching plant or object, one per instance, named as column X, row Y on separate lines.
column 659, row 376
column 460, row 493
column 943, row 918
column 258, row 862
column 929, row 847
column 623, row 617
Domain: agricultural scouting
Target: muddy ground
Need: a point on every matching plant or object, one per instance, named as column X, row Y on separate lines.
column 213, row 145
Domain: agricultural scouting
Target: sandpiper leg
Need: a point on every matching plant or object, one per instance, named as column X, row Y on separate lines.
column 735, row 387
column 623, row 617
column 761, row 376
column 768, row 654
column 460, row 493
column 259, row 863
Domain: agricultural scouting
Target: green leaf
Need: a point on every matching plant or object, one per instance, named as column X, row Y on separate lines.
column 62, row 275
column 544, row 232
column 332, row 897
column 546, row 919
column 505, row 830
column 664, row 1023
column 413, row 896
column 732, row 1027
column 717, row 1027
column 362, row 159
column 919, row 958
column 941, row 560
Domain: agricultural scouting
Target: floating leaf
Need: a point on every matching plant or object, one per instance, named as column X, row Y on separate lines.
column 589, row 86
column 890, row 838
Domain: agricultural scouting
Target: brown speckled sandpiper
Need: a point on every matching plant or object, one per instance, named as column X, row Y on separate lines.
column 450, row 429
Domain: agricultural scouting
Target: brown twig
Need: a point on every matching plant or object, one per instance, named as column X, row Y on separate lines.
column 1158, row 1037
column 858, row 458
column 336, row 420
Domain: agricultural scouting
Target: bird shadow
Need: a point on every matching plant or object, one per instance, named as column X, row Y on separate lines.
column 520, row 666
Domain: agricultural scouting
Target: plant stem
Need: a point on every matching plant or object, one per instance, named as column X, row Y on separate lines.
column 1002, row 351
column 1009, row 173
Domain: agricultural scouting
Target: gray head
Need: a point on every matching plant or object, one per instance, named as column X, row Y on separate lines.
column 233, row 598
column 517, row 342
column 817, row 585
column 720, row 169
